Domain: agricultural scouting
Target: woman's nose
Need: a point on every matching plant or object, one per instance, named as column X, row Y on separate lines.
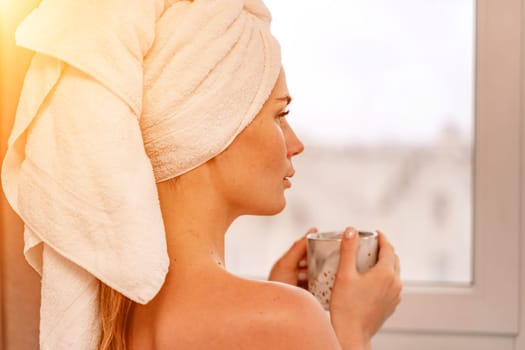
column 294, row 145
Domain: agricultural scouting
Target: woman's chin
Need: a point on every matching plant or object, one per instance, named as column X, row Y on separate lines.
column 279, row 207
column 270, row 209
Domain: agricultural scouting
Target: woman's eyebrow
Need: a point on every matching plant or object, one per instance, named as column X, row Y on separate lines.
column 286, row 98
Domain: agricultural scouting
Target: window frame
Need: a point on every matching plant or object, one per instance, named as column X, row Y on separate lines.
column 490, row 305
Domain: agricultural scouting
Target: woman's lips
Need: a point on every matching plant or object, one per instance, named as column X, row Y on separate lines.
column 286, row 180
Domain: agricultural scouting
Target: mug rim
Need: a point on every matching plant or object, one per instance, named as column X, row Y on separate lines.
column 336, row 235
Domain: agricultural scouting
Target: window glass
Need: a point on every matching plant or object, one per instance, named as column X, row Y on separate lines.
column 383, row 101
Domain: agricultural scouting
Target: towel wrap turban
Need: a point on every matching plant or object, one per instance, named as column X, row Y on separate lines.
column 120, row 95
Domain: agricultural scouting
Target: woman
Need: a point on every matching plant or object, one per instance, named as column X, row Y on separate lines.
column 202, row 306
column 144, row 129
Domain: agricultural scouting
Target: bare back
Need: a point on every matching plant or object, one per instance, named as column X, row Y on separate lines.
column 221, row 311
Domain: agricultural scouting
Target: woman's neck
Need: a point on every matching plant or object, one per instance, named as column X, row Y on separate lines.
column 195, row 221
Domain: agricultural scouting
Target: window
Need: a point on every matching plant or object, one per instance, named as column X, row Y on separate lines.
column 384, row 102
column 472, row 285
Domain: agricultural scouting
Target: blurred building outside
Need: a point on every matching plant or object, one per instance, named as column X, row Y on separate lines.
column 420, row 196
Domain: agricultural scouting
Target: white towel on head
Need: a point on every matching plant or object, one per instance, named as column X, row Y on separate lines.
column 234, row 62
column 93, row 117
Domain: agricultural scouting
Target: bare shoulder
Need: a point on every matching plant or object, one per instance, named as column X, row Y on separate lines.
column 229, row 312
column 284, row 317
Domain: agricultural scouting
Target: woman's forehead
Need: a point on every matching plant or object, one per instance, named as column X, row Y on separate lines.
column 280, row 91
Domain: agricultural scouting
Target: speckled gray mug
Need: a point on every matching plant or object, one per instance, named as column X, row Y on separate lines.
column 323, row 260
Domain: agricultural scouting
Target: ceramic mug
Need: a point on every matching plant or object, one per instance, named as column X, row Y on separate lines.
column 323, row 260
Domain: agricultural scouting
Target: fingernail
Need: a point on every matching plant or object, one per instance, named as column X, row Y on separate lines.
column 302, row 263
column 312, row 230
column 349, row 233
column 301, row 276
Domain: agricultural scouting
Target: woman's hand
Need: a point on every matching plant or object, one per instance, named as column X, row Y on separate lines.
column 292, row 267
column 360, row 303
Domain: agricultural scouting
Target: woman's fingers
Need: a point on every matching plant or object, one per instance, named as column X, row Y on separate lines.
column 397, row 265
column 291, row 268
column 311, row 230
column 354, row 293
column 387, row 256
column 296, row 255
column 348, row 252
column 389, row 260
column 302, row 275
